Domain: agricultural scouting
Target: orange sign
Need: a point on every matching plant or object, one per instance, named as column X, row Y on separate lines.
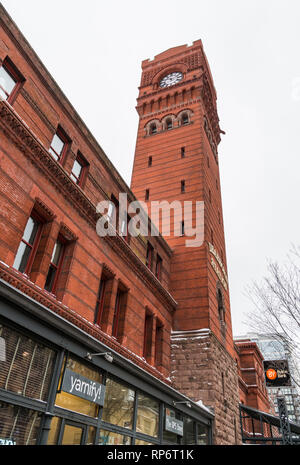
column 271, row 373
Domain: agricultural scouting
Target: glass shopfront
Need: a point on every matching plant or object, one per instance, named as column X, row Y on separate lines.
column 18, row 425
column 118, row 406
column 26, row 365
column 50, row 396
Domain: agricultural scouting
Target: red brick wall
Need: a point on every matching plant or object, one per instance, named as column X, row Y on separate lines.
column 28, row 172
column 253, row 390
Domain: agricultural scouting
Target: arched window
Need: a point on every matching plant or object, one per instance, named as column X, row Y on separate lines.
column 153, row 128
column 185, row 119
column 169, row 124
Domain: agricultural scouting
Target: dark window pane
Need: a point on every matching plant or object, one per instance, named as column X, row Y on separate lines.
column 202, row 434
column 50, row 278
column 189, row 431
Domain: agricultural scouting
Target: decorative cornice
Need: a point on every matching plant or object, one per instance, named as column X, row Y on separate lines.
column 212, row 114
column 20, row 282
column 67, row 233
column 45, row 211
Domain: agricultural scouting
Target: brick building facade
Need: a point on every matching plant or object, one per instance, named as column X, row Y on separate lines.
column 143, row 320
column 67, row 293
column 252, row 384
column 176, row 160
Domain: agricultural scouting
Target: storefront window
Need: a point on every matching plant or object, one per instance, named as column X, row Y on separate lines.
column 108, row 438
column 202, row 434
column 188, row 431
column 172, row 421
column 18, row 426
column 147, row 415
column 140, row 442
column 74, row 402
column 54, row 431
column 26, row 365
column 118, row 405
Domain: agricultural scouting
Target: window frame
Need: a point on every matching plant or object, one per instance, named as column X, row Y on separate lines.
column 100, row 301
column 153, row 129
column 80, row 181
column 148, row 329
column 120, row 295
column 159, row 331
column 185, row 119
column 15, row 74
column 158, row 267
column 61, row 134
column 182, row 186
column 58, row 267
column 35, row 244
column 149, row 256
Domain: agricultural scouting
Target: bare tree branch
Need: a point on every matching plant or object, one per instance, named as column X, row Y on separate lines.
column 276, row 303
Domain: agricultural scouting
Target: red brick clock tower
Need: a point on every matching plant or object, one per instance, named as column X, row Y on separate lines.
column 176, row 160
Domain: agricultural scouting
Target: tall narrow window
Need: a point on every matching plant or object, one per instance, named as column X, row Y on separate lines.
column 28, row 245
column 158, row 343
column 78, row 170
column 221, row 310
column 185, row 118
column 182, row 152
column 100, row 302
column 153, row 129
column 113, row 210
column 158, row 267
column 119, row 313
column 148, row 336
column 182, row 186
column 10, row 80
column 55, row 266
column 149, row 256
column 58, row 145
column 124, row 227
column 212, row 236
column 182, row 228
column 150, row 161
column 169, row 124
column 147, row 194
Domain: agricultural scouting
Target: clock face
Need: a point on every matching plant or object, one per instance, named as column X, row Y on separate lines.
column 171, row 79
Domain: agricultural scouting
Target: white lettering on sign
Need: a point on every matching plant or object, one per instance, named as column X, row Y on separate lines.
column 79, row 386
column 84, row 387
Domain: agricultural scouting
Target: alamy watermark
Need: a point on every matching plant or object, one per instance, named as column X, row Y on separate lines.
column 175, row 218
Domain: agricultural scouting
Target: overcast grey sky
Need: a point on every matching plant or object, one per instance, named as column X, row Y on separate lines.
column 94, row 49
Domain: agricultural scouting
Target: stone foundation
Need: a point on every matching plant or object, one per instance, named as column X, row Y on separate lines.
column 203, row 370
